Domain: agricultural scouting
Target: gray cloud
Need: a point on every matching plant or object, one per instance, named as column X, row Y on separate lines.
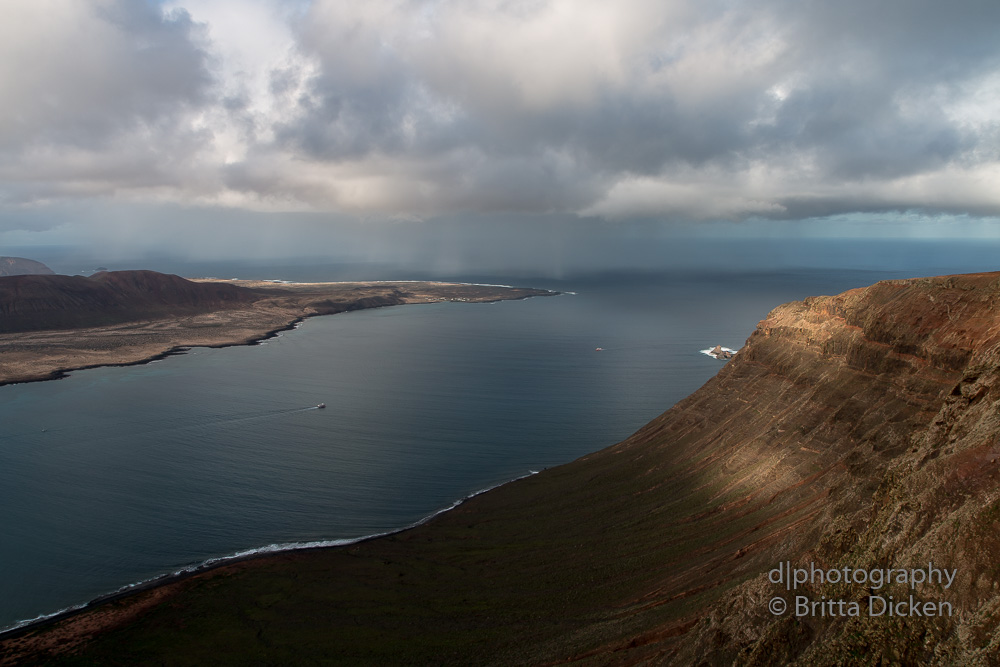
column 82, row 74
column 834, row 93
column 677, row 109
column 97, row 98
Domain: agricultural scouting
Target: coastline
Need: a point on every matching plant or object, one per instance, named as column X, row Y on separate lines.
column 43, row 355
column 63, row 373
column 295, row 311
column 809, row 445
column 166, row 581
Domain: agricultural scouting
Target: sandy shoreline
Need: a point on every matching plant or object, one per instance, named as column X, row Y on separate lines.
column 35, row 356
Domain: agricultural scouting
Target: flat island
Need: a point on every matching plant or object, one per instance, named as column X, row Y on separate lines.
column 50, row 325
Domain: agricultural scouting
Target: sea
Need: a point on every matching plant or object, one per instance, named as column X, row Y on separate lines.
column 116, row 476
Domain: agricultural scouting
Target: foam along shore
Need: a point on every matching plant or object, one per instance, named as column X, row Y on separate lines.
column 719, row 352
column 50, row 345
column 25, row 626
column 818, row 443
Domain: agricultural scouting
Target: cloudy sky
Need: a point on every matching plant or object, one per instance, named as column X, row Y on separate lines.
column 120, row 114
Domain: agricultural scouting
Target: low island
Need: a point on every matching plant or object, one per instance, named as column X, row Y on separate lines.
column 51, row 324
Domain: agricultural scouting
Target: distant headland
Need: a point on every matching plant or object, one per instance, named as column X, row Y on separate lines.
column 52, row 324
column 19, row 266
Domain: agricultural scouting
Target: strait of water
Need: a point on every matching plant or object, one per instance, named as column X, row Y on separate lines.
column 118, row 475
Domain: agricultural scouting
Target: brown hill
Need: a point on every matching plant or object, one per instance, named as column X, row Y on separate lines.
column 19, row 266
column 858, row 431
column 35, row 302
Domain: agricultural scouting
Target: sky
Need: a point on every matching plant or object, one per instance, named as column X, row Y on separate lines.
column 299, row 125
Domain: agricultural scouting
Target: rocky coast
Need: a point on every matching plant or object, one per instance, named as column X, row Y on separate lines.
column 50, row 325
column 855, row 433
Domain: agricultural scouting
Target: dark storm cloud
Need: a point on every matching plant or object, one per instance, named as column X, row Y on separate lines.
column 677, row 109
column 82, row 75
column 822, row 94
column 876, row 79
column 96, row 97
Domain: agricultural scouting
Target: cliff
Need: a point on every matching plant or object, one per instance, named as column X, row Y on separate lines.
column 855, row 431
column 870, row 443
column 19, row 266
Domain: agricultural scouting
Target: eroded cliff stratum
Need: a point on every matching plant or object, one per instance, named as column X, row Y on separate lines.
column 858, row 430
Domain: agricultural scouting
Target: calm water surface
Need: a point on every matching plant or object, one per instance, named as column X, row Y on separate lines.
column 117, row 475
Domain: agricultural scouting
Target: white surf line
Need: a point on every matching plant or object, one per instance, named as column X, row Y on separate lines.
column 378, row 282
column 724, row 349
column 249, row 553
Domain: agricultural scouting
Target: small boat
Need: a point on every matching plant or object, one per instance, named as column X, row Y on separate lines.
column 321, row 406
column 598, row 349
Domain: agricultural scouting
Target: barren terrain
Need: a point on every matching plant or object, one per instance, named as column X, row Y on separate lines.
column 50, row 353
column 858, row 430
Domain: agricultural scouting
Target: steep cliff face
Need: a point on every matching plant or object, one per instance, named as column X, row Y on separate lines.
column 884, row 453
column 19, row 266
column 814, row 447
column 858, row 431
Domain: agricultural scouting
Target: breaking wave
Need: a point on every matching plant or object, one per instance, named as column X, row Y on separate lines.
column 246, row 554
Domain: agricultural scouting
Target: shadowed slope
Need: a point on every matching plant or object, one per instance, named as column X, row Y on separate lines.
column 858, row 429
column 32, row 303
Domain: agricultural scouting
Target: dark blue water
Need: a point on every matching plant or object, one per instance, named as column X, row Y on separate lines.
column 117, row 475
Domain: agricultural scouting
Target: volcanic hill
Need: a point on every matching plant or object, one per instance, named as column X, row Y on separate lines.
column 53, row 324
column 859, row 430
column 37, row 302
column 19, row 266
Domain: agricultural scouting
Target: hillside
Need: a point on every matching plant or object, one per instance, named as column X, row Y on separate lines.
column 50, row 325
column 19, row 266
column 856, row 431
column 36, row 302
